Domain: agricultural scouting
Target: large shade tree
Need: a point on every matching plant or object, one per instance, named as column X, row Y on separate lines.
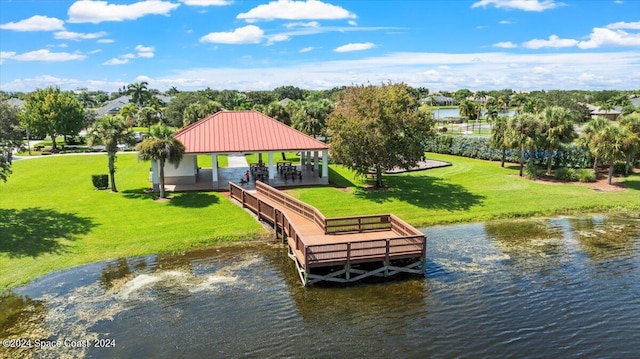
column 110, row 131
column 377, row 128
column 162, row 147
column 10, row 137
column 52, row 112
column 557, row 128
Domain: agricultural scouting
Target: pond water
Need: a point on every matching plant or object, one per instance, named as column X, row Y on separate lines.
column 564, row 287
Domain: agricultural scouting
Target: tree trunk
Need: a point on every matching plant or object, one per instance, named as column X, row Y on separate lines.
column 627, row 165
column 53, row 140
column 610, row 172
column 378, row 177
column 163, row 194
column 595, row 166
column 549, row 160
column 504, row 155
column 521, row 160
column 112, row 170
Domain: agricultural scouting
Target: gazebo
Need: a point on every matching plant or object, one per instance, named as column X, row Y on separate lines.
column 235, row 133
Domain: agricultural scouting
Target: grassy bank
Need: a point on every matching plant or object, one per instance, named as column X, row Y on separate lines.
column 51, row 218
column 470, row 190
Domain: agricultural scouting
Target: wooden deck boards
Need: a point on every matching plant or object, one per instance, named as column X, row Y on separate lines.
column 366, row 239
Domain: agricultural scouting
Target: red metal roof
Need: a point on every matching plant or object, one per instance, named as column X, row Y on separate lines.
column 244, row 131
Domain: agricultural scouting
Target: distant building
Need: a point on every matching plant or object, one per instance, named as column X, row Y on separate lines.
column 596, row 111
column 113, row 107
column 285, row 101
column 438, row 100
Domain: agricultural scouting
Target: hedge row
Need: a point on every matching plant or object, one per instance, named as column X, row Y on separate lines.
column 478, row 147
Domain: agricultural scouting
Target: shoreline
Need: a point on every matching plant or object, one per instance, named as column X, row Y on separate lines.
column 265, row 239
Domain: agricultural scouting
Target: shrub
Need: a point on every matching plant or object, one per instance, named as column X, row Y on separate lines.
column 566, row 174
column 619, row 167
column 533, row 172
column 100, row 181
column 585, row 175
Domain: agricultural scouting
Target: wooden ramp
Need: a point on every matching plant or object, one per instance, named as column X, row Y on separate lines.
column 344, row 249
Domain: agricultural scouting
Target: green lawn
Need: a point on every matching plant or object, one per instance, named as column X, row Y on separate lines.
column 290, row 156
column 52, row 218
column 204, row 161
column 470, row 190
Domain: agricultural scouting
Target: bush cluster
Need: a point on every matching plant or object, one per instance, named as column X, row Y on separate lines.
column 100, row 181
column 571, row 155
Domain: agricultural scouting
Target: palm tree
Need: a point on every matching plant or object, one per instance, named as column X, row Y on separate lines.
column 110, row 131
column 609, row 145
column 523, row 133
column 591, row 129
column 468, row 109
column 498, row 136
column 139, row 93
column 632, row 146
column 161, row 147
column 557, row 129
column 518, row 100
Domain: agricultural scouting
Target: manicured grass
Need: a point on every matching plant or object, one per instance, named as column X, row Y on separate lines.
column 291, row 156
column 470, row 190
column 52, row 218
column 204, row 161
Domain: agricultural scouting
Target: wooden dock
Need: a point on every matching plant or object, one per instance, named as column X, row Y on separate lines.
column 344, row 249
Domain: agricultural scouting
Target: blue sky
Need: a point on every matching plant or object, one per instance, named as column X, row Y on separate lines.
column 259, row 45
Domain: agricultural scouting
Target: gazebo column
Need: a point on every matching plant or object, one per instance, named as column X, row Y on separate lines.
column 214, row 170
column 155, row 168
column 272, row 168
column 309, row 160
column 315, row 161
column 325, row 167
column 301, row 160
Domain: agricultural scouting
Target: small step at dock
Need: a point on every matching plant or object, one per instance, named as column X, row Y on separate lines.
column 344, row 249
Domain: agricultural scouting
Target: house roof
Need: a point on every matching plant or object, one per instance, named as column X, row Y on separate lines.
column 16, row 102
column 244, row 131
column 114, row 106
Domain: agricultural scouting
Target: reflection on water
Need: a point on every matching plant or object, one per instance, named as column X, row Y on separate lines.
column 536, row 288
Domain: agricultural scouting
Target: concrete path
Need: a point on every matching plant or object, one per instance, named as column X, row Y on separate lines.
column 236, row 160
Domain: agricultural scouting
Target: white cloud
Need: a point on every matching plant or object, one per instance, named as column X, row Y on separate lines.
column 498, row 70
column 207, row 2
column 540, row 70
column 554, row 41
column 128, row 56
column 624, row 25
column 106, row 41
column 116, row 61
column 99, row 11
column 302, row 24
column 306, row 49
column 69, row 35
column 352, row 23
column 277, row 38
column 355, row 47
column 43, row 55
column 605, row 37
column 526, row 5
column 249, row 34
column 141, row 48
column 35, row 23
column 296, row 10
column 147, row 55
column 505, row 45
column 505, row 22
column 94, row 51
column 63, row 45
